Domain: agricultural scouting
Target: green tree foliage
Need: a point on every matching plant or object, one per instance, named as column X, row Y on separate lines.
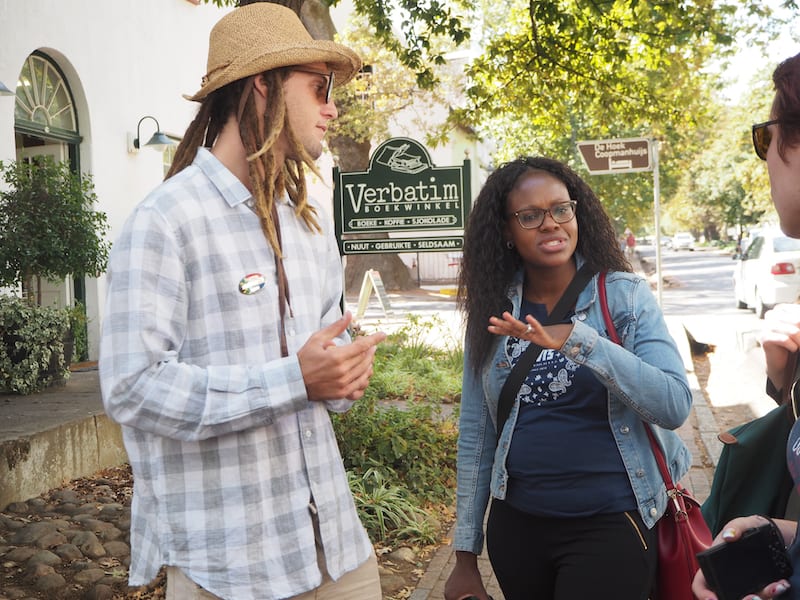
column 553, row 72
column 48, row 225
column 724, row 185
column 389, row 92
column 548, row 73
column 404, row 27
column 419, row 24
column 570, row 70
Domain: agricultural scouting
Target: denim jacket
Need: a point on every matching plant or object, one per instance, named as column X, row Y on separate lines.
column 645, row 378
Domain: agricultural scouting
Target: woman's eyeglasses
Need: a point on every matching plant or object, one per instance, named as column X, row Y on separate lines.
column 762, row 137
column 532, row 218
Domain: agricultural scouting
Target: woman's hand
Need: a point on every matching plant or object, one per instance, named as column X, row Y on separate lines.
column 732, row 532
column 531, row 330
column 780, row 337
column 465, row 579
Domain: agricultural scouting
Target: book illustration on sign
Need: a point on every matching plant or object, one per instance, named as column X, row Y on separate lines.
column 397, row 159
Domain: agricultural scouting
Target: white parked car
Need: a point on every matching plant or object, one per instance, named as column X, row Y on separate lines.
column 683, row 240
column 768, row 272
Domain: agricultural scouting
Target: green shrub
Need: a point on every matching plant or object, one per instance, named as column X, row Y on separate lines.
column 415, row 443
column 386, row 510
column 398, row 442
column 50, row 228
column 408, row 367
column 32, row 345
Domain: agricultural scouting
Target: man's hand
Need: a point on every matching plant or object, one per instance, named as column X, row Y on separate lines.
column 333, row 372
column 779, row 337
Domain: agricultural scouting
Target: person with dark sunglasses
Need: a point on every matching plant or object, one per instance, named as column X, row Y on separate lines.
column 777, row 141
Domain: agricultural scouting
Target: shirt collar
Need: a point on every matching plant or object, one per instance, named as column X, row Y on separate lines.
column 228, row 185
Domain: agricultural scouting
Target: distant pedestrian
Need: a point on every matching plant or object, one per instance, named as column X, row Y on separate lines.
column 224, row 346
column 630, row 243
column 574, row 486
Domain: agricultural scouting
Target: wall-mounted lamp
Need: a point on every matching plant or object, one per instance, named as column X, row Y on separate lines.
column 4, row 91
column 158, row 142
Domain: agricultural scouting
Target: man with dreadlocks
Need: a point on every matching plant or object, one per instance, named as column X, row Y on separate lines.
column 224, row 345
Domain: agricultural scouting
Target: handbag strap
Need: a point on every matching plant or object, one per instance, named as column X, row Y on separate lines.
column 523, row 365
column 612, row 334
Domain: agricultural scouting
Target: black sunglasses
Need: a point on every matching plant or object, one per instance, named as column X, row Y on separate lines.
column 762, row 137
column 328, row 89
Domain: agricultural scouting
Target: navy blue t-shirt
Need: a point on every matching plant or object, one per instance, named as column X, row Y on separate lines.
column 563, row 460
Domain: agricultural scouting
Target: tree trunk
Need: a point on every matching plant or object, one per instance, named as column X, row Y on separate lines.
column 295, row 5
column 351, row 155
column 33, row 296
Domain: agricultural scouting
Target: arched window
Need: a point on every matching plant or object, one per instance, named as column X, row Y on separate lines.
column 44, row 101
column 46, row 124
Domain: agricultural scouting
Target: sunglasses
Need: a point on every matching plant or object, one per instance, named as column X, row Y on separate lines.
column 329, row 87
column 762, row 137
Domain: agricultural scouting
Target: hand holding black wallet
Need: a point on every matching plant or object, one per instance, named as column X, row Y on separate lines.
column 745, row 566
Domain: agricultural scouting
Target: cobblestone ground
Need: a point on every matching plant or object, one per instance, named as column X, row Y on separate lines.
column 71, row 543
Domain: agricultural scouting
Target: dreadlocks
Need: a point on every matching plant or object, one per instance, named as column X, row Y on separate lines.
column 258, row 137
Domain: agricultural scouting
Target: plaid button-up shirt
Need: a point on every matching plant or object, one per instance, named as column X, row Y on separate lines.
column 225, row 447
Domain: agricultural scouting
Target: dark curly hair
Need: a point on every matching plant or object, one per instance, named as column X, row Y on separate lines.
column 786, row 106
column 488, row 266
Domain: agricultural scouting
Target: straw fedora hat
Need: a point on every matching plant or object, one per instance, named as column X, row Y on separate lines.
column 261, row 36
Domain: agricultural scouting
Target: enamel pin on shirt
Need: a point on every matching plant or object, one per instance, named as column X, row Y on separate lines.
column 251, row 284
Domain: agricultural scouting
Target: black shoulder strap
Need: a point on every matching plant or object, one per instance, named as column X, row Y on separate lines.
column 525, row 362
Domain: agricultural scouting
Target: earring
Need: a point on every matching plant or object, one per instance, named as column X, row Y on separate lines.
column 510, row 245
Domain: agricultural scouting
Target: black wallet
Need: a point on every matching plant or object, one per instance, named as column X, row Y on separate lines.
column 745, row 566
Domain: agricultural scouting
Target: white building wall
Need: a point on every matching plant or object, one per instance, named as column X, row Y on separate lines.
column 414, row 122
column 123, row 59
column 441, row 267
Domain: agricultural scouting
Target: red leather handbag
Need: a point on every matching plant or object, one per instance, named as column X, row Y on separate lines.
column 682, row 531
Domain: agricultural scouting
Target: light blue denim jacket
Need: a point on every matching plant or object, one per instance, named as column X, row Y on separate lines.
column 646, row 380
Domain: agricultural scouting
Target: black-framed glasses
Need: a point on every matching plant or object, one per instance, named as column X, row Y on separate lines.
column 762, row 138
column 328, row 89
column 532, row 218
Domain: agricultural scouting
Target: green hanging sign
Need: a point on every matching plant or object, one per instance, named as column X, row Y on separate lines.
column 401, row 191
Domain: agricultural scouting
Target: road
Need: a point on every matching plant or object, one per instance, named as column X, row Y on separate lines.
column 698, row 290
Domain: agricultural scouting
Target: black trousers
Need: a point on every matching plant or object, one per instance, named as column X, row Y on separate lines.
column 542, row 558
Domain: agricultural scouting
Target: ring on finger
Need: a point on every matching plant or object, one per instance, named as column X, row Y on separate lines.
column 528, row 329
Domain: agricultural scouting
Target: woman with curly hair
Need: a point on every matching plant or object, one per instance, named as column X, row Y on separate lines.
column 575, row 487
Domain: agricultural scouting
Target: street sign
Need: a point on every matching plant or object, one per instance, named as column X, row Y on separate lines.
column 372, row 281
column 401, row 191
column 616, row 156
column 395, row 245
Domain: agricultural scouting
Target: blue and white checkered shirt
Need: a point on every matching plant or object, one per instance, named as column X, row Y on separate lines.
column 225, row 447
